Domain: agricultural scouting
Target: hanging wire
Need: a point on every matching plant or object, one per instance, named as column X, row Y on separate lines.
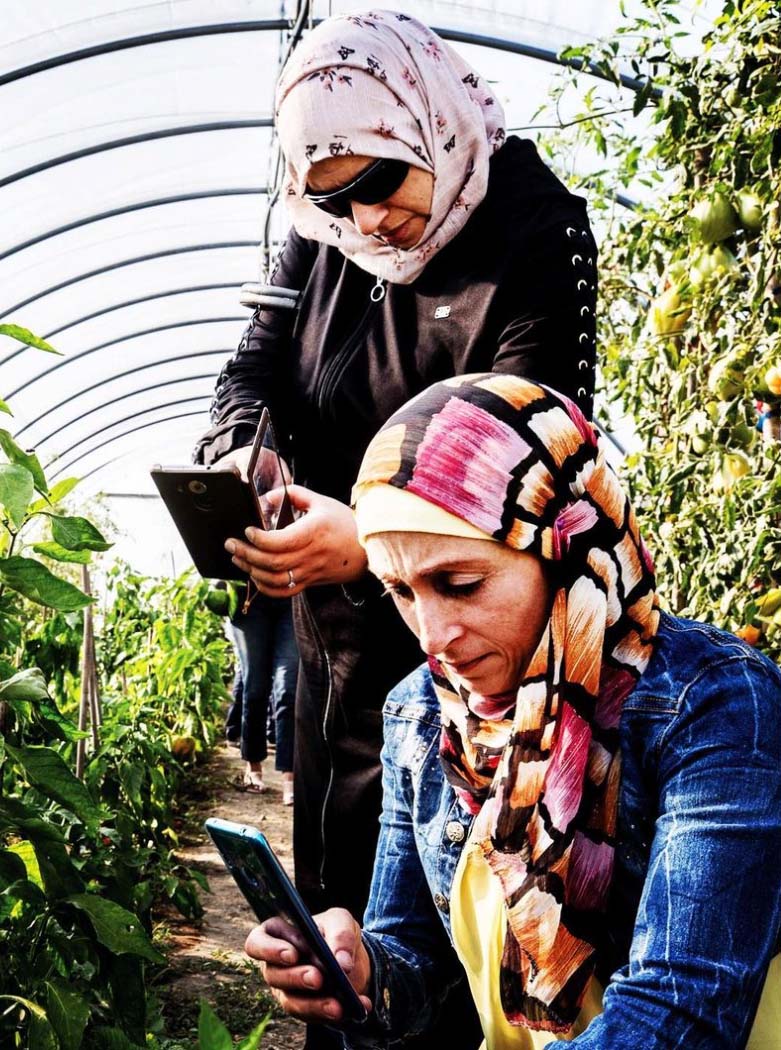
column 301, row 21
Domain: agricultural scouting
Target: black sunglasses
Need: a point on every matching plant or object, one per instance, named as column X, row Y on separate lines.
column 374, row 184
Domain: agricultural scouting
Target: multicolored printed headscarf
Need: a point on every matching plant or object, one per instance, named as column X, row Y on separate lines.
column 381, row 84
column 541, row 771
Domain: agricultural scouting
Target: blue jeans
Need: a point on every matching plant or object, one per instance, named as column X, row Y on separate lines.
column 268, row 658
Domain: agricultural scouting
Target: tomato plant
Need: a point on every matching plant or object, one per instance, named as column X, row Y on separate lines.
column 690, row 325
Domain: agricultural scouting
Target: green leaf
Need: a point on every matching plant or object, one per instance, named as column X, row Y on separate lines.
column 115, row 927
column 40, row 1033
column 28, row 460
column 16, row 490
column 32, row 579
column 49, row 716
column 58, row 492
column 252, row 1041
column 25, row 851
column 68, row 1014
column 77, row 534
column 212, row 1033
column 28, row 685
column 25, row 821
column 132, row 778
column 128, row 996
column 4, row 407
column 58, row 871
column 47, row 772
column 18, row 894
column 24, row 335
column 12, row 867
column 110, row 1039
column 57, row 552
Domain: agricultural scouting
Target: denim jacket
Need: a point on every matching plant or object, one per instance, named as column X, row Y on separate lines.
column 695, row 906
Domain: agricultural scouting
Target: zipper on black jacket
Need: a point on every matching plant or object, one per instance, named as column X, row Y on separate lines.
column 336, row 366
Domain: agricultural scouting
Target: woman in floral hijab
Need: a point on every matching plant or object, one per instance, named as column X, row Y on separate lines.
column 382, row 85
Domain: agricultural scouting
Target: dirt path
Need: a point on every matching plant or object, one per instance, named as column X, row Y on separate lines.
column 207, row 958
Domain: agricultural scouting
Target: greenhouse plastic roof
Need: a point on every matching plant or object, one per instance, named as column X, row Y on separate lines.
column 135, row 157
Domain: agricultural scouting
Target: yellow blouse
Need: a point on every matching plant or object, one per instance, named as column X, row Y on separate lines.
column 478, row 924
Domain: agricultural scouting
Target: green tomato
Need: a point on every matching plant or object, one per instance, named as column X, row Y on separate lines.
column 726, row 379
column 217, row 601
column 714, row 219
column 751, row 210
column 668, row 313
column 711, row 263
column 736, row 465
column 743, row 435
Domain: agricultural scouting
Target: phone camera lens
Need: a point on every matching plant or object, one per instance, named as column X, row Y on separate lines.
column 197, row 488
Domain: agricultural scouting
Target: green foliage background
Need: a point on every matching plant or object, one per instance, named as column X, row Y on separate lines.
column 689, row 330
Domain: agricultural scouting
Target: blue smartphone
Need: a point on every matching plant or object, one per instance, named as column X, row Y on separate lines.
column 270, row 893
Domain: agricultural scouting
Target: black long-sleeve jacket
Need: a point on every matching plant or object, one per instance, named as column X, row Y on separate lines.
column 513, row 292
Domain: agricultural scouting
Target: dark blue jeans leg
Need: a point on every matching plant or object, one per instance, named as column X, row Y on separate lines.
column 254, row 631
column 233, row 717
column 284, row 680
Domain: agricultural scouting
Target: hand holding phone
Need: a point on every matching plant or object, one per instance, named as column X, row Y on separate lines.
column 297, row 985
column 286, row 921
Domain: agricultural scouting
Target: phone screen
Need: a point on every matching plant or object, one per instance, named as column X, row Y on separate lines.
column 267, row 474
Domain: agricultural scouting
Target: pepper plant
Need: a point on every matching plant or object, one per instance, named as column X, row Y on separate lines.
column 81, row 862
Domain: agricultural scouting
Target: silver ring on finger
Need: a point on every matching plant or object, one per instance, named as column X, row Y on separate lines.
column 291, row 580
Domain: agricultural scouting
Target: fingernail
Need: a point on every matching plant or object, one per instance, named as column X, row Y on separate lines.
column 345, row 960
column 286, row 955
column 249, row 533
column 310, row 978
column 230, row 546
column 331, row 1010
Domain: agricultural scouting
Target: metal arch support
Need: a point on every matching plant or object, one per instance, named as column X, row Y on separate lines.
column 543, row 54
column 120, row 306
column 126, row 209
column 122, row 339
column 167, row 419
column 165, row 253
column 126, row 43
column 123, row 397
column 120, row 375
column 127, row 419
column 265, row 25
column 114, row 459
column 136, row 302
column 134, row 140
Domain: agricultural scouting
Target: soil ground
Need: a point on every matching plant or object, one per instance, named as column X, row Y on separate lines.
column 206, row 958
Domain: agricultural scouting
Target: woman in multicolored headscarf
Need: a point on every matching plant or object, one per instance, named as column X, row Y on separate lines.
column 426, row 243
column 583, row 792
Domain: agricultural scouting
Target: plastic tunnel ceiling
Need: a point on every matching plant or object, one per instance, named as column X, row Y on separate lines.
column 136, row 146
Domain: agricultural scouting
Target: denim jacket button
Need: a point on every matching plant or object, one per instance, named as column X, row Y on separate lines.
column 442, row 902
column 455, row 831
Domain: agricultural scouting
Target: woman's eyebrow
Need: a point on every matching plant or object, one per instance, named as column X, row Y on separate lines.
column 457, row 565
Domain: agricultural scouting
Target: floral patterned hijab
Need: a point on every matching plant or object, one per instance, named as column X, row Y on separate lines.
column 540, row 769
column 381, row 84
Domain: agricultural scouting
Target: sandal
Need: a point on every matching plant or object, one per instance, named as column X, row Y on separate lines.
column 287, row 796
column 253, row 781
